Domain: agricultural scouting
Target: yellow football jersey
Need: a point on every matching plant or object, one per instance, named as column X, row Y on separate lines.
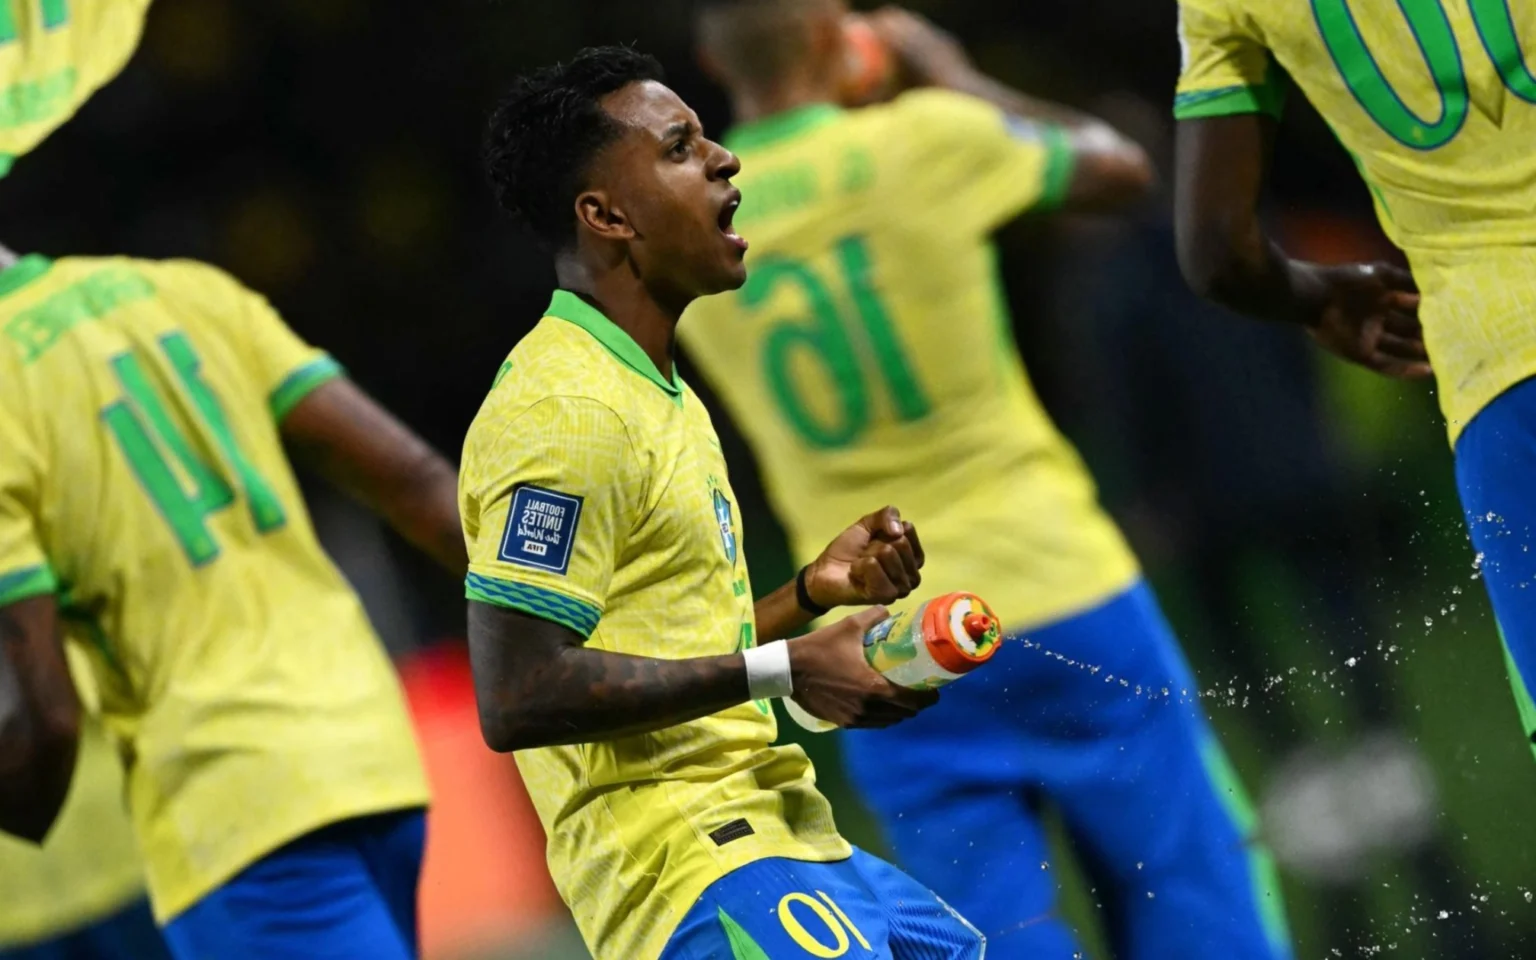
column 1435, row 102
column 594, row 494
column 53, row 55
column 870, row 359
column 89, row 867
column 145, row 484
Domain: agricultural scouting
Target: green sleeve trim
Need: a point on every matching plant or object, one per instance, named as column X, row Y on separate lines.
column 1268, row 98
column 301, row 383
column 1060, row 164
column 577, row 615
column 27, row 583
column 6, row 162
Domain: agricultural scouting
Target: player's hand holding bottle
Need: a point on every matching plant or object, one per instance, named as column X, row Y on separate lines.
column 834, row 682
column 877, row 560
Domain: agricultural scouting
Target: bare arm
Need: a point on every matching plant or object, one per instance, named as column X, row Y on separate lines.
column 361, row 448
column 1109, row 170
column 39, row 718
column 537, row 685
column 1366, row 313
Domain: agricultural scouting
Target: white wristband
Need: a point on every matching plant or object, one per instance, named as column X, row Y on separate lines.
column 768, row 673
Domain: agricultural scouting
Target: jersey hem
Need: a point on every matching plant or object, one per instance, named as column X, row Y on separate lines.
column 1462, row 408
column 301, row 383
column 105, row 900
column 569, row 612
column 168, row 907
column 26, row 583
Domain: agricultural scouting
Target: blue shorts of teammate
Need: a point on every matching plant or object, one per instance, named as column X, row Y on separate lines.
column 858, row 909
column 129, row 934
column 1496, row 472
column 343, row 892
column 1077, row 717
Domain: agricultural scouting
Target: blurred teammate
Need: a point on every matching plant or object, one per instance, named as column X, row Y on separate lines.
column 1435, row 101
column 53, row 55
column 82, row 895
column 870, row 353
column 611, row 623
column 148, row 513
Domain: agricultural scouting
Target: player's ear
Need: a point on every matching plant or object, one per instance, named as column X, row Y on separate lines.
column 595, row 212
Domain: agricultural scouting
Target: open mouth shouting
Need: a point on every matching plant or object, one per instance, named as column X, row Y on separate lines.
column 727, row 215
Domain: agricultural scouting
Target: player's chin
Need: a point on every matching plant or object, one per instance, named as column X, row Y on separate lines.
column 735, row 274
column 728, row 273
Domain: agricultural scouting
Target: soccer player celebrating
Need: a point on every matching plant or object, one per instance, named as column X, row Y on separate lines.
column 1435, row 103
column 611, row 624
column 868, row 353
column 147, row 512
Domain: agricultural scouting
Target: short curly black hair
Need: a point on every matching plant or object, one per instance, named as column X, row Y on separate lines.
column 546, row 130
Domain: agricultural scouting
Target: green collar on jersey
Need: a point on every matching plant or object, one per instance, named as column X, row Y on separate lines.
column 23, row 272
column 781, row 126
column 568, row 306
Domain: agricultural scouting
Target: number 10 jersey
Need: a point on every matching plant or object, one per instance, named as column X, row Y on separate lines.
column 870, row 358
column 1437, row 103
column 144, row 485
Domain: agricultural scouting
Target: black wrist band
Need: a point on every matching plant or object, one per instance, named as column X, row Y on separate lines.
column 803, row 596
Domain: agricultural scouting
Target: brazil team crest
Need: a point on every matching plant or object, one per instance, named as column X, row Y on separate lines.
column 727, row 530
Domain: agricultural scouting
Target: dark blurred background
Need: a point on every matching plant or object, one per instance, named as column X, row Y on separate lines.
column 1298, row 517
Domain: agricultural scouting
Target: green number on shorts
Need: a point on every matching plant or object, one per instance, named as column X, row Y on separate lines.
column 827, row 336
column 146, row 430
column 55, row 14
column 814, row 925
column 1437, row 44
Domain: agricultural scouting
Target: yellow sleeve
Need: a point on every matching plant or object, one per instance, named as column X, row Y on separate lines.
column 980, row 165
column 287, row 368
column 24, row 569
column 1226, row 67
column 547, row 507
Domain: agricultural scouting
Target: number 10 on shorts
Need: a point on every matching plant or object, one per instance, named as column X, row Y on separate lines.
column 818, row 925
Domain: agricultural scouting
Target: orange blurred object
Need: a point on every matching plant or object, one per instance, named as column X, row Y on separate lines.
column 484, row 884
column 870, row 68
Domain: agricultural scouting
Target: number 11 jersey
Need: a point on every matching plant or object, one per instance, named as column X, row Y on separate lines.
column 1437, row 103
column 870, row 358
column 144, row 485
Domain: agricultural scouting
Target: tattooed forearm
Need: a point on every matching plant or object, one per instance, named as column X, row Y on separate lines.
column 537, row 686
column 39, row 719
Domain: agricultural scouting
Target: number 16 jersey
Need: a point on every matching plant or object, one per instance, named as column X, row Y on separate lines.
column 870, row 358
column 1437, row 103
column 144, row 485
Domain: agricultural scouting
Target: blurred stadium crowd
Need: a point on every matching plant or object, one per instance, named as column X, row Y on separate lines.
column 326, row 152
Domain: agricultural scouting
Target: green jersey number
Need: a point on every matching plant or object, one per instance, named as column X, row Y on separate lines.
column 150, row 438
column 1437, row 44
column 827, row 336
column 55, row 14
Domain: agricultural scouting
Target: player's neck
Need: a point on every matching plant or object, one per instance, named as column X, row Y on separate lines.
column 758, row 103
column 624, row 299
